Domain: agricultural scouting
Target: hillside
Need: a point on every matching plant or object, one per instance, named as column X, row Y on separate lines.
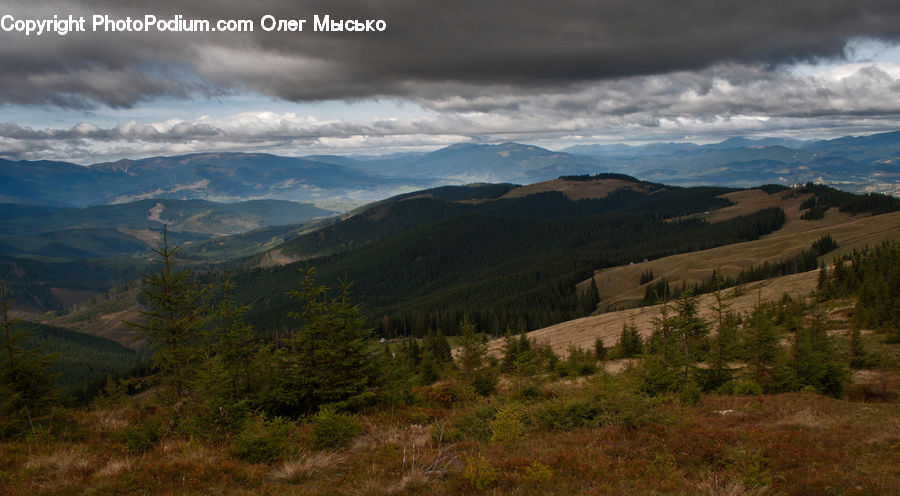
column 424, row 262
column 620, row 286
column 582, row 333
column 222, row 177
column 188, row 216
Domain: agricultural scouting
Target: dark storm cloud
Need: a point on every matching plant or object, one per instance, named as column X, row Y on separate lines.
column 430, row 51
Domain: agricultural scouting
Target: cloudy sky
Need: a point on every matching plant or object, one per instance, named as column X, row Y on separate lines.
column 535, row 71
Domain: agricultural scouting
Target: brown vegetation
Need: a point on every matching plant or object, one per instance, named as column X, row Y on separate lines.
column 576, row 190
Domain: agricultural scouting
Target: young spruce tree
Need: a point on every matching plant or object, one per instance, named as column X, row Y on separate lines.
column 173, row 321
column 27, row 389
column 331, row 358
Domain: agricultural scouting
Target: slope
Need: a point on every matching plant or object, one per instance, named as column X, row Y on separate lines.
column 620, row 287
column 507, row 262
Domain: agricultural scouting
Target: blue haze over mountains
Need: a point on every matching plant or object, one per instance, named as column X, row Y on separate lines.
column 857, row 164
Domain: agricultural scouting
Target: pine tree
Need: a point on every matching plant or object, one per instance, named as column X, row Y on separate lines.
column 723, row 346
column 692, row 329
column 815, row 361
column 760, row 344
column 859, row 359
column 599, row 349
column 330, row 360
column 473, row 349
column 173, row 322
column 441, row 347
column 27, row 389
column 630, row 343
column 233, row 342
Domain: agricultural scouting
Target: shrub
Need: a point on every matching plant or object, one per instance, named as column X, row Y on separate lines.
column 331, row 429
column 261, row 440
column 474, row 424
column 578, row 362
column 484, row 380
column 142, row 438
column 745, row 387
column 606, row 401
column 690, row 393
column 659, row 377
column 479, row 472
column 508, row 424
column 537, row 472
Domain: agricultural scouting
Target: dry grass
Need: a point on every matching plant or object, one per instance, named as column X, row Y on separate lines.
column 315, row 466
column 392, row 434
column 725, row 445
column 722, row 485
column 805, row 418
column 583, row 332
column 63, row 462
column 619, row 286
column 115, row 466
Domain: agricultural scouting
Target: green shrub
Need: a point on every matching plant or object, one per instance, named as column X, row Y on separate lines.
column 508, row 423
column 479, row 472
column 743, row 387
column 690, row 393
column 261, row 440
column 484, row 380
column 605, row 401
column 142, row 438
column 659, row 377
column 461, row 391
column 537, row 472
column 578, row 363
column 331, row 429
column 475, row 423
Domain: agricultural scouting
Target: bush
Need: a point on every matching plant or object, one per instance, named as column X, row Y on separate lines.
column 606, row 401
column 474, row 424
column 331, row 429
column 537, row 472
column 485, row 380
column 743, row 387
column 479, row 472
column 142, row 438
column 578, row 363
column 690, row 393
column 261, row 440
column 658, row 377
column 508, row 423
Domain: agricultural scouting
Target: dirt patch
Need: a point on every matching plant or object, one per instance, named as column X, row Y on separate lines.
column 155, row 211
column 276, row 258
column 112, row 326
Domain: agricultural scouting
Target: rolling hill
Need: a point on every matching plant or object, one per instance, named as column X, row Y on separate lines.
column 52, row 257
column 423, row 261
column 222, row 177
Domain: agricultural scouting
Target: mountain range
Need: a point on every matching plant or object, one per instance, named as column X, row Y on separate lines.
column 857, row 164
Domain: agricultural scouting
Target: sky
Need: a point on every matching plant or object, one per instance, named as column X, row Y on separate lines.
column 552, row 74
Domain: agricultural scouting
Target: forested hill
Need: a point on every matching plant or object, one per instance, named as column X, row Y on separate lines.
column 422, row 261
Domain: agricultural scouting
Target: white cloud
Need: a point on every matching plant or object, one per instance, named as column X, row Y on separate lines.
column 723, row 100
